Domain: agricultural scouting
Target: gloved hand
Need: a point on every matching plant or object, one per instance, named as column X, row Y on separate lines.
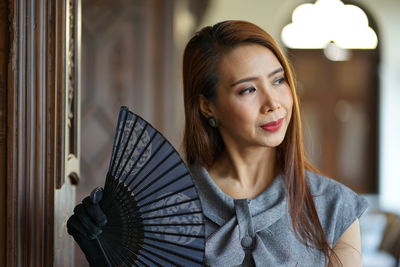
column 86, row 224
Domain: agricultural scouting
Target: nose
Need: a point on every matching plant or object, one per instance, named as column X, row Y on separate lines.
column 270, row 101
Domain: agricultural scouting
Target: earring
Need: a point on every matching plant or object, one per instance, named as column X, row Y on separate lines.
column 212, row 121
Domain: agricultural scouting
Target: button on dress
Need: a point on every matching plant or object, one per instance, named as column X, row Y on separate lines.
column 258, row 232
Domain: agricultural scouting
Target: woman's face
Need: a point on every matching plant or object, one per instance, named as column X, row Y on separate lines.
column 254, row 103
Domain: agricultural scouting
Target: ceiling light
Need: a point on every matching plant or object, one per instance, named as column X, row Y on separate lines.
column 314, row 26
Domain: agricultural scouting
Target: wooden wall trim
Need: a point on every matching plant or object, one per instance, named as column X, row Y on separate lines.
column 28, row 208
column 36, row 133
column 4, row 43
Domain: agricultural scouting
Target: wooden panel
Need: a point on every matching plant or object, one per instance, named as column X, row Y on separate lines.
column 127, row 59
column 340, row 110
column 67, row 85
column 26, row 197
column 3, row 124
column 40, row 74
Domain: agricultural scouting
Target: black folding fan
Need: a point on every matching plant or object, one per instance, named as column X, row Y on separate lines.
column 153, row 210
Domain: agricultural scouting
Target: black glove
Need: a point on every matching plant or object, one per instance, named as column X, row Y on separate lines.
column 86, row 224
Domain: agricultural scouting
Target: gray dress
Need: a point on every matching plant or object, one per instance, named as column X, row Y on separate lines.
column 257, row 232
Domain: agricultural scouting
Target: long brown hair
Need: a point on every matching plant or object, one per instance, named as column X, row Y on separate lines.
column 203, row 144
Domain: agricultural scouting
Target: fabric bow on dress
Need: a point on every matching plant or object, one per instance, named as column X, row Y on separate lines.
column 236, row 241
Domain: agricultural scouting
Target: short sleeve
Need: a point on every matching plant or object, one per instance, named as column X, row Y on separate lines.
column 337, row 205
column 352, row 206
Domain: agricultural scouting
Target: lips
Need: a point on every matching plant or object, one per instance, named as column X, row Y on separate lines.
column 273, row 125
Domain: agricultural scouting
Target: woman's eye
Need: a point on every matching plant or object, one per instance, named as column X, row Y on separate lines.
column 279, row 81
column 247, row 90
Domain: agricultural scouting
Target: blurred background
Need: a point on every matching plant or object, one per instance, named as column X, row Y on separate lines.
column 347, row 61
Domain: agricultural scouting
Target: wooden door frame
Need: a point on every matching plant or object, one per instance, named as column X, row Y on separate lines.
column 4, row 50
column 41, row 80
column 29, row 187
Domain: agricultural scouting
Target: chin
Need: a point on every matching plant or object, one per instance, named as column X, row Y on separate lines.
column 274, row 143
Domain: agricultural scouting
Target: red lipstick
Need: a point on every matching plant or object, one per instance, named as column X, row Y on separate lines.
column 273, row 126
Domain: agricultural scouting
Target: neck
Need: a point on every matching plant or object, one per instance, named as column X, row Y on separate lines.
column 248, row 168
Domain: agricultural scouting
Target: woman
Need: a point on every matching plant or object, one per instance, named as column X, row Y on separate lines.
column 263, row 202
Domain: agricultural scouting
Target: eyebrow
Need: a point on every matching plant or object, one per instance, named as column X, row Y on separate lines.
column 248, row 79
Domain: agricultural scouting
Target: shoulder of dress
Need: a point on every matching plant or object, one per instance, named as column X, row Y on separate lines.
column 319, row 184
column 329, row 193
column 337, row 205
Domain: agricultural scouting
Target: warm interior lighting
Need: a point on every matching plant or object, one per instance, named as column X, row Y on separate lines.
column 314, row 26
column 335, row 53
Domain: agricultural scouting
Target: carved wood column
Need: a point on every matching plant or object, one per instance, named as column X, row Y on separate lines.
column 4, row 44
column 42, row 130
